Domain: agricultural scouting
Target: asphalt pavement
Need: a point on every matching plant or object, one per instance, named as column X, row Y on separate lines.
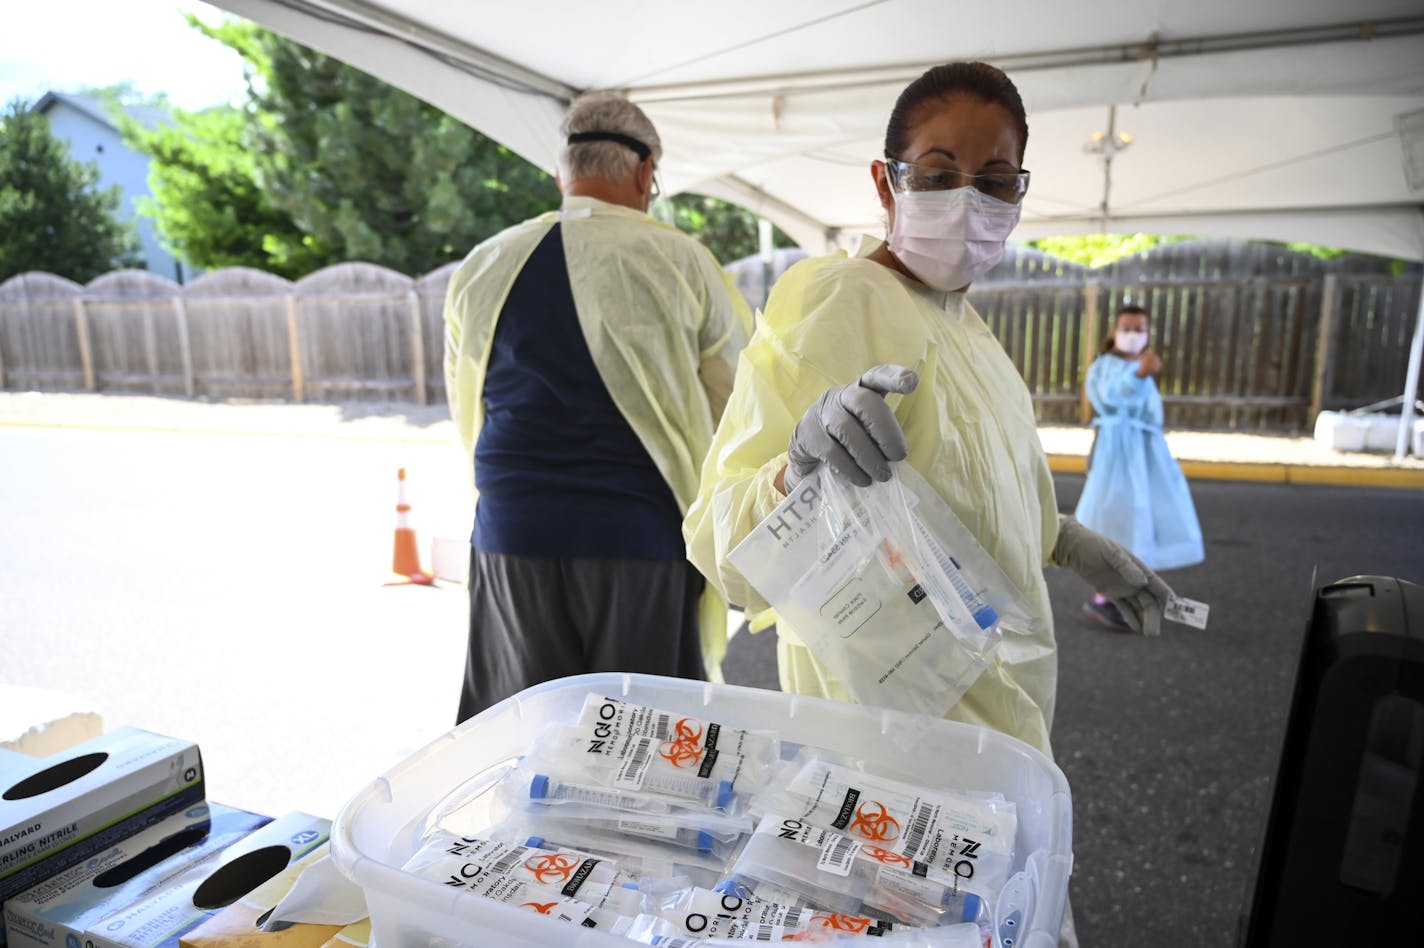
column 1170, row 744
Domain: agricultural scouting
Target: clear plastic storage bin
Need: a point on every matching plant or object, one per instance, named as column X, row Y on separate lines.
column 380, row 827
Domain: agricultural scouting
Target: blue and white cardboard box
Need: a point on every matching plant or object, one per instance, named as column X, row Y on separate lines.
column 57, row 811
column 58, row 910
column 211, row 885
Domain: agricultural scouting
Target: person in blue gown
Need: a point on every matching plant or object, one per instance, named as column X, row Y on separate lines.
column 1135, row 492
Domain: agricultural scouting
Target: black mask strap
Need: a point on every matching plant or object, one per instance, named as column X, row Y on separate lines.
column 626, row 141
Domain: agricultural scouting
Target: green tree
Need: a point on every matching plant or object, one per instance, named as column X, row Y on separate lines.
column 207, row 203
column 119, row 95
column 53, row 215
column 1099, row 250
column 322, row 164
column 325, row 163
column 368, row 172
column 726, row 229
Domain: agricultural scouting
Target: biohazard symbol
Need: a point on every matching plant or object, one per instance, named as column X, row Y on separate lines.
column 873, row 821
column 886, row 856
column 543, row 908
column 686, row 751
column 551, row 867
column 824, row 927
column 895, row 557
column 841, row 923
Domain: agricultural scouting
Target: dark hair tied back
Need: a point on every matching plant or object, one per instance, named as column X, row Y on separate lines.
column 980, row 80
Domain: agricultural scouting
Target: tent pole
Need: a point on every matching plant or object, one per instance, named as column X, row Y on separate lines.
column 1411, row 381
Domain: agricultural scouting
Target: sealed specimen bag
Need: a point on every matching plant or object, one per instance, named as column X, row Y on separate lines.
column 886, row 587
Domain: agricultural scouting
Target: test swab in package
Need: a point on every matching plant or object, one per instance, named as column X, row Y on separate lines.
column 886, row 587
column 647, row 860
column 703, row 913
column 554, row 804
column 845, row 875
column 950, row 936
column 636, row 767
column 682, row 737
column 566, row 885
column 964, row 840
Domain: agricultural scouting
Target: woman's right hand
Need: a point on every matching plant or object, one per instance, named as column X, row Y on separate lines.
column 1149, row 363
column 852, row 429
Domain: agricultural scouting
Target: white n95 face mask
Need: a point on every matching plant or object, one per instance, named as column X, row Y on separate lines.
column 1130, row 342
column 950, row 238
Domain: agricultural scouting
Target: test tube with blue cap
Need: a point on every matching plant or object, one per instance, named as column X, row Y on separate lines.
column 984, row 615
column 549, row 789
column 546, row 789
column 542, row 788
column 735, row 887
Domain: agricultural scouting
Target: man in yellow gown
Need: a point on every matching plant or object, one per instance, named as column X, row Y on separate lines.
column 589, row 353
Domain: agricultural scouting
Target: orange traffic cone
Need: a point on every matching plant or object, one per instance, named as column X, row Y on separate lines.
column 406, row 560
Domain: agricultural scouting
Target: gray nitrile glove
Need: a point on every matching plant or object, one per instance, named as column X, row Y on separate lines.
column 852, row 429
column 1112, row 570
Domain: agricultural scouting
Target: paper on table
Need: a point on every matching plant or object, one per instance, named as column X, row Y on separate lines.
column 321, row 896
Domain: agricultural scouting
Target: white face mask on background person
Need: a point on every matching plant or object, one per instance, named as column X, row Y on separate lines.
column 950, row 238
column 1130, row 342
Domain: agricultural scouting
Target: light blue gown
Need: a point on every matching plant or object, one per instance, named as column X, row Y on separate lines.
column 1135, row 492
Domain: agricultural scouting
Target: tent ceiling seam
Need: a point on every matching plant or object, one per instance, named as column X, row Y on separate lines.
column 1120, row 214
column 1271, row 166
column 775, row 34
column 367, row 18
column 1153, row 49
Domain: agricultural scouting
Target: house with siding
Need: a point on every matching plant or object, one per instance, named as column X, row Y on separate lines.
column 84, row 122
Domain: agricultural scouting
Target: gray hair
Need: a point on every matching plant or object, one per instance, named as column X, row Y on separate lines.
column 604, row 112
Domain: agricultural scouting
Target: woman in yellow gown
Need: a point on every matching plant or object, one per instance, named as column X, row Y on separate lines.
column 843, row 337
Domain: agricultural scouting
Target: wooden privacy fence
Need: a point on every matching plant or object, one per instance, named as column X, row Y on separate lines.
column 1253, row 336
column 353, row 332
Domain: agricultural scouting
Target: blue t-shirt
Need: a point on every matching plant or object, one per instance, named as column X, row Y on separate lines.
column 558, row 469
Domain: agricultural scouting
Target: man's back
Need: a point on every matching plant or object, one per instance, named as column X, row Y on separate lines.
column 560, row 472
column 589, row 354
column 660, row 320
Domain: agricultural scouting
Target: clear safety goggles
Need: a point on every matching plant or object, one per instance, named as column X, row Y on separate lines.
column 1009, row 187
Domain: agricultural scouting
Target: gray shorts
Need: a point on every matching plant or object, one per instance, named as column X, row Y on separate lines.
column 533, row 619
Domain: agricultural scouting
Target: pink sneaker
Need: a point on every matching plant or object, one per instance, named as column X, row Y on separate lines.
column 1106, row 614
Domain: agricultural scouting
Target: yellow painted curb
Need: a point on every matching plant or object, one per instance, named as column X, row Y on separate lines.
column 1067, row 463
column 1267, row 473
column 1236, row 471
column 1411, row 478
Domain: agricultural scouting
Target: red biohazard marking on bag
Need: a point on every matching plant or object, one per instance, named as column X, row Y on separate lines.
column 873, row 821
column 841, row 923
column 894, row 556
column 551, row 867
column 687, row 750
column 543, row 908
column 886, row 856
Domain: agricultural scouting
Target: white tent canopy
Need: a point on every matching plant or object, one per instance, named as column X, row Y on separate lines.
column 1284, row 119
column 1275, row 119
